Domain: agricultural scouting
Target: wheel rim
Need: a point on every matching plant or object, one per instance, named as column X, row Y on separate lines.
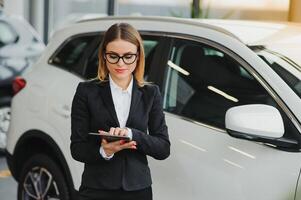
column 39, row 185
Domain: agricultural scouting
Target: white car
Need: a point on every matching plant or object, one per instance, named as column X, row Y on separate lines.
column 20, row 46
column 232, row 102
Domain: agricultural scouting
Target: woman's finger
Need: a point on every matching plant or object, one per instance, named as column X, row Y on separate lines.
column 112, row 129
column 117, row 131
column 128, row 145
column 104, row 141
column 124, row 132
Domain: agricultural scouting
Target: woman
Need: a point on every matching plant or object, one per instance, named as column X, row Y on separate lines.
column 121, row 103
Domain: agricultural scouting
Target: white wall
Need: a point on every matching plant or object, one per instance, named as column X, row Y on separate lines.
column 37, row 15
column 22, row 8
column 15, row 7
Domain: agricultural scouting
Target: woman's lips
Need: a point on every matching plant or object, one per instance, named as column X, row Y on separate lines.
column 120, row 70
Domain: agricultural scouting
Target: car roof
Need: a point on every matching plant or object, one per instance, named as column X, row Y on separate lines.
column 282, row 37
column 158, row 19
column 249, row 32
column 259, row 32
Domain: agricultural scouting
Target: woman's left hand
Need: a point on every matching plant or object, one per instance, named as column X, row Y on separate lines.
column 118, row 131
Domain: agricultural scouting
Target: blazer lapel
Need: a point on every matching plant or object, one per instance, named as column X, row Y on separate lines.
column 136, row 98
column 106, row 95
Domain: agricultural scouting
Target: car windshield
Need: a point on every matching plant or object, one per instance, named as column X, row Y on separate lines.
column 287, row 69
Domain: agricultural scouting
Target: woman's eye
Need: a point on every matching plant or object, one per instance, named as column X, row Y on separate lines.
column 113, row 56
column 128, row 56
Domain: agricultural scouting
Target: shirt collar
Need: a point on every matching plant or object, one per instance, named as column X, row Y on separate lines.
column 114, row 86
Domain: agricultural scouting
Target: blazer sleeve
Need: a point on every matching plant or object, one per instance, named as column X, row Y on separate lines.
column 155, row 144
column 81, row 149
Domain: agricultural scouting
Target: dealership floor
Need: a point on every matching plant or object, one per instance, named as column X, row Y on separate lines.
column 8, row 185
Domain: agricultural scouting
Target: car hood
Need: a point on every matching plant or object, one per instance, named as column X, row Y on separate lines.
column 260, row 33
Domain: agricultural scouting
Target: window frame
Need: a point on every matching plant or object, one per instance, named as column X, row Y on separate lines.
column 76, row 70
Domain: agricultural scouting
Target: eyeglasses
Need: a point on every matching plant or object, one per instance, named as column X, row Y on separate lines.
column 128, row 58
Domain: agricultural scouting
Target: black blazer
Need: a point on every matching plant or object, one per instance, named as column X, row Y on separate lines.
column 93, row 109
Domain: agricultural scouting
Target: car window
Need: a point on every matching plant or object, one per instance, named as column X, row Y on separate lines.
column 289, row 71
column 7, row 34
column 69, row 55
column 150, row 44
column 202, row 83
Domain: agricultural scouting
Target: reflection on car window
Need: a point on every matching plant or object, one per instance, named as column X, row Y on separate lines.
column 70, row 54
column 150, row 45
column 7, row 35
column 202, row 83
column 286, row 70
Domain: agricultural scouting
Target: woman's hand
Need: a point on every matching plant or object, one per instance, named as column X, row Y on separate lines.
column 113, row 147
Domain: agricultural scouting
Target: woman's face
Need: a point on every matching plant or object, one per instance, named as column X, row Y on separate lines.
column 121, row 68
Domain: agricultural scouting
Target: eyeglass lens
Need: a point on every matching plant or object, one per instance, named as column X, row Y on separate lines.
column 113, row 58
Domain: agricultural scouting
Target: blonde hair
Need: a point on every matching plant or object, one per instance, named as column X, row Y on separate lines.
column 128, row 33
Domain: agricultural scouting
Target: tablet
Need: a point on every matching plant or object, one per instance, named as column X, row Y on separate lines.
column 111, row 138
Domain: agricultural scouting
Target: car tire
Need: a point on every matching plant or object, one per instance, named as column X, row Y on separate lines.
column 41, row 178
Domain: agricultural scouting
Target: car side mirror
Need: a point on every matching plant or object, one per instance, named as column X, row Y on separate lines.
column 257, row 122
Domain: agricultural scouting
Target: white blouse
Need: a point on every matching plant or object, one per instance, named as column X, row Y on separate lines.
column 122, row 103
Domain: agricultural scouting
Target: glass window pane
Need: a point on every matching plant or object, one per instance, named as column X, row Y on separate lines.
column 70, row 54
column 289, row 71
column 204, row 82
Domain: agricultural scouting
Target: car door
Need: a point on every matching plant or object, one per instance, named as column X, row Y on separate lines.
column 66, row 68
column 202, row 80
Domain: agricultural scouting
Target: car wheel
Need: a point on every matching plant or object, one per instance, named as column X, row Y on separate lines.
column 4, row 123
column 41, row 179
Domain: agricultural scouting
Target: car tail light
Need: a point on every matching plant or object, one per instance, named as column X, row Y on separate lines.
column 18, row 84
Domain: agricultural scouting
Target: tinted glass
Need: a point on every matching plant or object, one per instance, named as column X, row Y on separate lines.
column 70, row 54
column 202, row 83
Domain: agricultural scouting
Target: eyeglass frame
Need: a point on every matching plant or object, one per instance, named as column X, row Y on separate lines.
column 133, row 54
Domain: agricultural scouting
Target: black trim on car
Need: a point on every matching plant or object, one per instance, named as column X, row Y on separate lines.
column 75, row 69
column 283, row 144
column 9, row 160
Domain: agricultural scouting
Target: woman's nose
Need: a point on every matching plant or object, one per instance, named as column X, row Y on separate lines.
column 120, row 62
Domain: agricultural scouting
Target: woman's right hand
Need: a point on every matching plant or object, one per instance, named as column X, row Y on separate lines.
column 113, row 147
